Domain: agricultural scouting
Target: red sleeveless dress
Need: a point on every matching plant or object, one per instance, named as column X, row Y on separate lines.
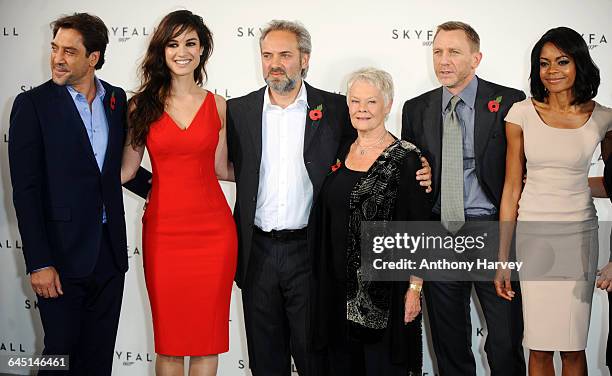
column 189, row 238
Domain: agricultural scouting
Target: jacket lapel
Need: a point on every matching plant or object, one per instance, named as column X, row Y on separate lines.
column 311, row 127
column 253, row 117
column 483, row 118
column 74, row 121
column 112, row 131
column 432, row 123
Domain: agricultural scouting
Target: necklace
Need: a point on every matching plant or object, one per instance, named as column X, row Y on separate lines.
column 364, row 149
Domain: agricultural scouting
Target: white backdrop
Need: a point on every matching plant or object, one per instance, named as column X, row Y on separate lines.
column 346, row 35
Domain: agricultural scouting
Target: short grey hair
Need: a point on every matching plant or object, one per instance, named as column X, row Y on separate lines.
column 378, row 78
column 301, row 34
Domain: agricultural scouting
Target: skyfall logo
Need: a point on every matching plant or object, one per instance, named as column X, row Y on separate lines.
column 125, row 33
column 128, row 358
column 9, row 32
column 242, row 365
column 420, row 35
column 7, row 243
column 594, row 40
column 31, row 304
column 248, row 32
column 12, row 347
column 133, row 251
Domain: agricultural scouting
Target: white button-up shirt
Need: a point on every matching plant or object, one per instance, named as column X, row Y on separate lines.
column 284, row 197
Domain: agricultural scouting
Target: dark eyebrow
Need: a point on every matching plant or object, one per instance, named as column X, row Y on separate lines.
column 192, row 39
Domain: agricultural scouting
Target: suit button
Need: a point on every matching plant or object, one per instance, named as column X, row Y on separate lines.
column 257, row 171
column 254, row 198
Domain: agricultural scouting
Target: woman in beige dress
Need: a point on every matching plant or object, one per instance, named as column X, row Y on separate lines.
column 551, row 138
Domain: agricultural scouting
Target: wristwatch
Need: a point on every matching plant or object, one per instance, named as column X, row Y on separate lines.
column 416, row 287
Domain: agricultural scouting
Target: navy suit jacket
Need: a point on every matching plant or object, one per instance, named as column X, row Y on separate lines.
column 58, row 190
column 422, row 125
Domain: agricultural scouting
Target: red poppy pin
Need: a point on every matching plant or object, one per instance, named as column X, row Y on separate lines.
column 335, row 166
column 316, row 114
column 113, row 101
column 494, row 104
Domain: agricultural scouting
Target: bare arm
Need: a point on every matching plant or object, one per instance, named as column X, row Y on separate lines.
column 513, row 187
column 224, row 169
column 598, row 190
column 132, row 157
column 596, row 183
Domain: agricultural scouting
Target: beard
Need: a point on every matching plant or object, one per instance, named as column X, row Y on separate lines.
column 281, row 85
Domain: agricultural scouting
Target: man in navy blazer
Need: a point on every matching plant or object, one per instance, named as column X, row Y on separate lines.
column 66, row 139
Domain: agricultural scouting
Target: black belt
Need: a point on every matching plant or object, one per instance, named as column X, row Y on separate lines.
column 283, row 235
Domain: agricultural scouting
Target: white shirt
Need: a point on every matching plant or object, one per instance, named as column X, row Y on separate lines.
column 284, row 197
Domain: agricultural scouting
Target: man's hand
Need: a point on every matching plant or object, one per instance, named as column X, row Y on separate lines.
column 46, row 283
column 148, row 195
column 424, row 175
column 604, row 281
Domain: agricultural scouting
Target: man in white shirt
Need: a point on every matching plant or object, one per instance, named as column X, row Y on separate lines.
column 283, row 140
column 281, row 152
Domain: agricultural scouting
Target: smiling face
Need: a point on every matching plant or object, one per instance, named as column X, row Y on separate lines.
column 557, row 69
column 70, row 64
column 454, row 59
column 281, row 61
column 367, row 106
column 183, row 53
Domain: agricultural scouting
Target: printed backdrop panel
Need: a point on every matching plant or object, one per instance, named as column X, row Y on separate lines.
column 346, row 35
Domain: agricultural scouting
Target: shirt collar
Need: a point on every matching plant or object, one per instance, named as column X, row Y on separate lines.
column 100, row 91
column 467, row 95
column 300, row 100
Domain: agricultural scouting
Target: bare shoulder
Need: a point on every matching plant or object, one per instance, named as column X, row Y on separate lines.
column 220, row 101
column 221, row 108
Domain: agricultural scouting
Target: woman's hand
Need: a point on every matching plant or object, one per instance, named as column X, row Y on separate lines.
column 503, row 287
column 424, row 175
column 412, row 305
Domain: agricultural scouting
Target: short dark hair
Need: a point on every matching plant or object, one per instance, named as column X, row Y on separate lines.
column 469, row 31
column 571, row 43
column 92, row 29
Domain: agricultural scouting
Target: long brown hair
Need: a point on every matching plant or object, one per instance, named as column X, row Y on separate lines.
column 147, row 105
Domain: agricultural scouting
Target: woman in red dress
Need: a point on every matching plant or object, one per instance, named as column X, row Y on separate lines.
column 189, row 236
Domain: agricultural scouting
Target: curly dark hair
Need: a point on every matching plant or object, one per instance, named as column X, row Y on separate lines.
column 571, row 43
column 148, row 103
column 92, row 29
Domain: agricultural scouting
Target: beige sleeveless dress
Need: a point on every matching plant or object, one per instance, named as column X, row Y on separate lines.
column 557, row 228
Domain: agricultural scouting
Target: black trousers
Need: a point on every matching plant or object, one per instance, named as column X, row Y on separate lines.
column 83, row 322
column 448, row 308
column 350, row 357
column 275, row 297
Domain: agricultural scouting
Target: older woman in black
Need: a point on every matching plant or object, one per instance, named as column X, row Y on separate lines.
column 369, row 328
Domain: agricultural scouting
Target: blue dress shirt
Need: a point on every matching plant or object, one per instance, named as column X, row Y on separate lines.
column 95, row 123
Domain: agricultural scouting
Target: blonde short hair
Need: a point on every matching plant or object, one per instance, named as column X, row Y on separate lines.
column 377, row 77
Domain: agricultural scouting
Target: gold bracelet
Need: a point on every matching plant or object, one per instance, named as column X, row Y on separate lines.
column 416, row 287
